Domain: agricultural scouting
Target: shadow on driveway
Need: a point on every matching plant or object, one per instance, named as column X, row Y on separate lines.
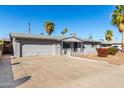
column 6, row 74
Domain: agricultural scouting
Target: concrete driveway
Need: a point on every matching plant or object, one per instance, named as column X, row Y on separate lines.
column 55, row 71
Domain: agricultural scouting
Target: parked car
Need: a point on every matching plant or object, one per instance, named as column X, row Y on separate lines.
column 118, row 47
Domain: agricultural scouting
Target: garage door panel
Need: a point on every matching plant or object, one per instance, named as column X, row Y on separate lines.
column 36, row 49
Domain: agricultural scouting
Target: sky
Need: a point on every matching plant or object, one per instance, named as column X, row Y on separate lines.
column 80, row 19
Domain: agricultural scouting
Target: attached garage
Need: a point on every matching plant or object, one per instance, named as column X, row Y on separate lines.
column 33, row 47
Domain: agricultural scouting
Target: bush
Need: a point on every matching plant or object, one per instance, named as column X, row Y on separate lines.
column 112, row 51
column 102, row 52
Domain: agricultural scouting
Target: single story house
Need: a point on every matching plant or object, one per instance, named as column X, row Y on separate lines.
column 109, row 43
column 30, row 45
column 90, row 46
column 106, row 43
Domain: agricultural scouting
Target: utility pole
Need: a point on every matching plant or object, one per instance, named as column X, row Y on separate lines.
column 29, row 27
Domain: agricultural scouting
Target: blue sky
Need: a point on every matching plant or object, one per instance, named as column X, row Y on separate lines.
column 81, row 20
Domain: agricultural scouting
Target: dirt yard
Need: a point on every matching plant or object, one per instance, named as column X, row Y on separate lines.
column 117, row 59
column 64, row 72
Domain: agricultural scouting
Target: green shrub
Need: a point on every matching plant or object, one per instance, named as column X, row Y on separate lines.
column 102, row 52
column 112, row 51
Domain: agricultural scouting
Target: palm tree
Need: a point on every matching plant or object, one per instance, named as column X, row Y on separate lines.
column 49, row 27
column 118, row 21
column 64, row 31
column 108, row 35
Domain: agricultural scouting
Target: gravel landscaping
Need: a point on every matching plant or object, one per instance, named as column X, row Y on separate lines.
column 117, row 59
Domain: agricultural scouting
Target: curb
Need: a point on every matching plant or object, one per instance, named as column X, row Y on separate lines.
column 88, row 59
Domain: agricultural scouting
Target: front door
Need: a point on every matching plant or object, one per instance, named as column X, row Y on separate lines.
column 75, row 47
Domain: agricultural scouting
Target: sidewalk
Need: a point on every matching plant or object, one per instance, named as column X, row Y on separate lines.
column 6, row 75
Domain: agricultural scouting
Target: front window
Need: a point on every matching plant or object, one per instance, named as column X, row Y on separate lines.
column 66, row 45
column 94, row 44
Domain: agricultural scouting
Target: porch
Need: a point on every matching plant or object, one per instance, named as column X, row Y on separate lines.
column 71, row 46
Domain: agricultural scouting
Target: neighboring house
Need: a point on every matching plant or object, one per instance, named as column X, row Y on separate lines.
column 7, row 46
column 117, row 43
column 90, row 46
column 30, row 45
column 106, row 43
column 109, row 43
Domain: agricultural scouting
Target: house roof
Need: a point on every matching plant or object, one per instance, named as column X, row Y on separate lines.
column 106, row 42
column 110, row 42
column 91, row 40
column 59, row 38
column 32, row 36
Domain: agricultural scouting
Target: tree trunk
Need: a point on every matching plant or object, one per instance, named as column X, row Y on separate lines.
column 122, row 41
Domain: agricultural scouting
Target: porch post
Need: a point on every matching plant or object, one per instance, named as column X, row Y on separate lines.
column 78, row 48
column 81, row 46
column 72, row 46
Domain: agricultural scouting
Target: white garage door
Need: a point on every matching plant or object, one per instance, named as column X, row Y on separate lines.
column 37, row 49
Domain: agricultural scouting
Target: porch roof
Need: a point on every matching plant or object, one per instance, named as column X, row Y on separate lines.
column 91, row 40
column 72, row 39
